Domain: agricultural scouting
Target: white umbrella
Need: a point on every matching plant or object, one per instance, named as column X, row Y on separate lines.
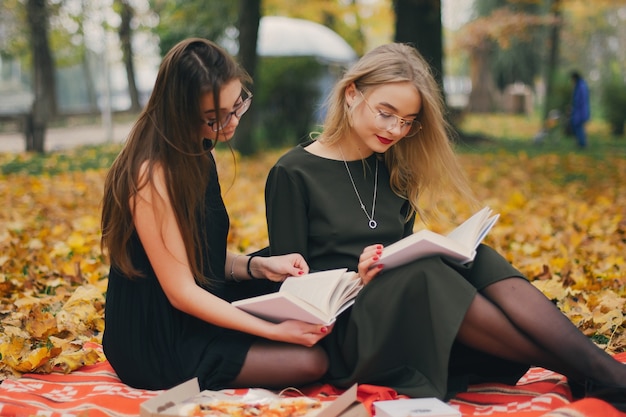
column 286, row 36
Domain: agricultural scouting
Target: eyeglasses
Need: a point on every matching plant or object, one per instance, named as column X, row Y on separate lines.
column 388, row 121
column 246, row 97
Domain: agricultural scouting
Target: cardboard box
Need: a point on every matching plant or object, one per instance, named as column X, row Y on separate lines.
column 415, row 407
column 173, row 402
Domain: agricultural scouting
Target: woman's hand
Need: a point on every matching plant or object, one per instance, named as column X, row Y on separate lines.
column 301, row 333
column 277, row 268
column 370, row 254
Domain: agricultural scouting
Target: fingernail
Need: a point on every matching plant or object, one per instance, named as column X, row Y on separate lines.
column 300, row 272
column 375, row 258
column 324, row 329
column 380, row 266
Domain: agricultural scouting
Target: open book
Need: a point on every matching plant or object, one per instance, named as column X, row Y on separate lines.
column 317, row 298
column 460, row 244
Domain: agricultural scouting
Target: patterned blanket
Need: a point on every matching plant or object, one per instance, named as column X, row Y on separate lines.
column 96, row 391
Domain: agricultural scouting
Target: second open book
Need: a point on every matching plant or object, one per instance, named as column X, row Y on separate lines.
column 460, row 244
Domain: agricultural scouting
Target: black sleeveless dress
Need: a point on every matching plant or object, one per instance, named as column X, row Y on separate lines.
column 150, row 344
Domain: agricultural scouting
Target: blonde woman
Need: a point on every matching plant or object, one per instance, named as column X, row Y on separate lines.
column 430, row 327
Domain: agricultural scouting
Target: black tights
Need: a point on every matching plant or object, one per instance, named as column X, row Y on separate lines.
column 279, row 365
column 513, row 320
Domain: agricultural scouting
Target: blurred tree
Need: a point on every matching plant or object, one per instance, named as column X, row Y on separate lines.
column 419, row 22
column 180, row 19
column 248, row 25
column 553, row 57
column 523, row 38
column 44, row 90
column 125, row 31
column 517, row 57
column 14, row 36
column 505, row 47
column 90, row 87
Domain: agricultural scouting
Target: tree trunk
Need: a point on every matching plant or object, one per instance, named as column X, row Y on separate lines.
column 553, row 56
column 44, row 87
column 90, row 85
column 482, row 96
column 249, row 17
column 126, row 36
column 419, row 22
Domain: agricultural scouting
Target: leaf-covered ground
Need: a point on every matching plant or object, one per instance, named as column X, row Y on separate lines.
column 563, row 223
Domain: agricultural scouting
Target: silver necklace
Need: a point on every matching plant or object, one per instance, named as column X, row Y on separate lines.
column 372, row 223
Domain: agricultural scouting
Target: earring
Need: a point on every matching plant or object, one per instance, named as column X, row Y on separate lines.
column 208, row 144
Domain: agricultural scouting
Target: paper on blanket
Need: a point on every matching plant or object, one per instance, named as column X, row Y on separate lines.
column 415, row 407
column 186, row 399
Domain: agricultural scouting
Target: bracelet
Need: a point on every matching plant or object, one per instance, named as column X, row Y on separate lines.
column 232, row 268
column 248, row 267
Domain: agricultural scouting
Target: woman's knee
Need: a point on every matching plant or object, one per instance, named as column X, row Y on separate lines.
column 314, row 363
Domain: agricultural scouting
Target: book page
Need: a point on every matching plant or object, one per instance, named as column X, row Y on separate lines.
column 468, row 231
column 460, row 244
column 486, row 228
column 307, row 298
column 423, row 244
column 316, row 288
column 346, row 290
column 280, row 306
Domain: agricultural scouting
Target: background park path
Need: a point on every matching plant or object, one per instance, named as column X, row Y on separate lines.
column 60, row 138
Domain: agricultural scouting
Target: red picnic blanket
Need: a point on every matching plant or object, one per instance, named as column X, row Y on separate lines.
column 96, row 391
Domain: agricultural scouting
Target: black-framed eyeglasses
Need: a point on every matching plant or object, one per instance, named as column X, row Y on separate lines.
column 246, row 100
column 388, row 121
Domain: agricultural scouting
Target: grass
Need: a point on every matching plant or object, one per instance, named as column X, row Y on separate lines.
column 516, row 133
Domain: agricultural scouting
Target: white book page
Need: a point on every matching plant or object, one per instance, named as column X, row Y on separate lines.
column 468, row 232
column 316, row 288
column 413, row 239
column 280, row 306
column 350, row 285
column 421, row 245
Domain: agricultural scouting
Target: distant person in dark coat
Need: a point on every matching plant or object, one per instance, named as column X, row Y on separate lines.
column 580, row 112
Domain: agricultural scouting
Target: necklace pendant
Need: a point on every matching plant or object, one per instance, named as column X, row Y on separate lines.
column 372, row 223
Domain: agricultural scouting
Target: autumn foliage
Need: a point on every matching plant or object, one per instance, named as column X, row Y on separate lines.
column 563, row 223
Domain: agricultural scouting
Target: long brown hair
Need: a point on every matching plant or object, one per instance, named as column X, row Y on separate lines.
column 421, row 165
column 167, row 135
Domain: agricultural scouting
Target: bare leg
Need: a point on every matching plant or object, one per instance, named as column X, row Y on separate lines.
column 546, row 326
column 280, row 365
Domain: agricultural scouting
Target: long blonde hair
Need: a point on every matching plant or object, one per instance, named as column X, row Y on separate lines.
column 166, row 135
column 419, row 166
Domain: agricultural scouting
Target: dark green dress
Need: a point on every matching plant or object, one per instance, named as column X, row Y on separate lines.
column 401, row 330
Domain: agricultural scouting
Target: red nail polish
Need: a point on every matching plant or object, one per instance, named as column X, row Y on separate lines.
column 380, row 266
column 300, row 272
column 324, row 329
column 375, row 258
